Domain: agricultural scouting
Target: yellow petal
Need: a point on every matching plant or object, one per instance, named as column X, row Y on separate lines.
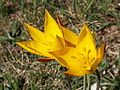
column 101, row 52
column 86, row 43
column 35, row 33
column 99, row 58
column 26, row 45
column 59, row 43
column 35, row 47
column 58, row 56
column 69, row 58
column 51, row 27
column 94, row 66
column 56, row 44
column 68, row 35
column 77, row 72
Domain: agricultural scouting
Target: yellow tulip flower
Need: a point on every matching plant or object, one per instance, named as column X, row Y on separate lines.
column 50, row 40
column 82, row 59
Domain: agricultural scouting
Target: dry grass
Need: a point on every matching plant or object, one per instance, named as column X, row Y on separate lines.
column 19, row 69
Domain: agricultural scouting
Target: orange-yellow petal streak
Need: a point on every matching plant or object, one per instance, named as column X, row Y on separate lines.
column 68, row 35
column 101, row 52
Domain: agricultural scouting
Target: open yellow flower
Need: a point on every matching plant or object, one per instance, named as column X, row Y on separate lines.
column 82, row 59
column 51, row 39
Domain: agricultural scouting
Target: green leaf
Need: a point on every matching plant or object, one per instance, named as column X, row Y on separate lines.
column 14, row 26
column 75, row 5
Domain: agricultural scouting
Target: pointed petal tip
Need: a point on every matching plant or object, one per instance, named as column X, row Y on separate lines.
column 85, row 25
column 18, row 43
column 101, row 52
column 46, row 12
column 104, row 44
column 27, row 25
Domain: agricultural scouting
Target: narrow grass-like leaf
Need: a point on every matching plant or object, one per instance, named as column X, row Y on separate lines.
column 75, row 5
column 14, row 27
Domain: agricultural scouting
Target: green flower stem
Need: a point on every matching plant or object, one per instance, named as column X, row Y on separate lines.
column 84, row 82
column 69, row 82
column 88, row 81
column 98, row 79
